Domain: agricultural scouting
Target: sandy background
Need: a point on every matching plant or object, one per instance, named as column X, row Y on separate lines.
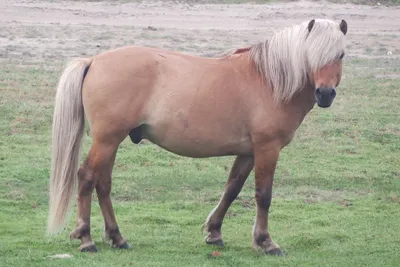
column 33, row 32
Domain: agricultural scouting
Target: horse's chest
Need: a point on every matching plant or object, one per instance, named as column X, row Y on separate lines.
column 287, row 138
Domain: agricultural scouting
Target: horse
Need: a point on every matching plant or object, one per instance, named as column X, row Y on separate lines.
column 247, row 104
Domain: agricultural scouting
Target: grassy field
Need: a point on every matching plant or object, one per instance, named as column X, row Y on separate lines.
column 336, row 198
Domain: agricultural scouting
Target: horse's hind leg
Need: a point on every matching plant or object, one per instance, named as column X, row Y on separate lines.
column 95, row 167
column 238, row 175
column 103, row 189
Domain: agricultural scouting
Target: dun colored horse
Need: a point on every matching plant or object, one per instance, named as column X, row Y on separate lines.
column 248, row 103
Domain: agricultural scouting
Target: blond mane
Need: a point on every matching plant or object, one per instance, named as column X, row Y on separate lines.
column 285, row 59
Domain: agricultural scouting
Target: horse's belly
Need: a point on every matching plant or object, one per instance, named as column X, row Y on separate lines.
column 194, row 111
column 190, row 144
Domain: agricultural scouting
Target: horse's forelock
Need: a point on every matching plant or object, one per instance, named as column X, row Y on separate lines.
column 324, row 44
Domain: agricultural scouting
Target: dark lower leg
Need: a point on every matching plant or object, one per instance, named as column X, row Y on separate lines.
column 103, row 189
column 261, row 237
column 237, row 177
column 111, row 230
column 264, row 172
column 94, row 168
column 86, row 180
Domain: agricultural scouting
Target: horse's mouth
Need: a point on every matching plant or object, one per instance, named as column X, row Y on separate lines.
column 324, row 105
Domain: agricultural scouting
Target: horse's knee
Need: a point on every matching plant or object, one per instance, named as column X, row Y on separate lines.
column 103, row 188
column 263, row 199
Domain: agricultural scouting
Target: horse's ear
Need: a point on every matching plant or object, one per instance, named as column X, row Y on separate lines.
column 343, row 26
column 310, row 25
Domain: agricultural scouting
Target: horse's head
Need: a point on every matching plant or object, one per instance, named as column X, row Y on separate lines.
column 326, row 77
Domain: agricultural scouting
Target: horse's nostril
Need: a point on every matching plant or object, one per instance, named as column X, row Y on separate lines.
column 333, row 93
column 318, row 92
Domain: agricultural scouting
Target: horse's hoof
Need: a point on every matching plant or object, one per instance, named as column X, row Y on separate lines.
column 123, row 246
column 218, row 243
column 90, row 248
column 275, row 252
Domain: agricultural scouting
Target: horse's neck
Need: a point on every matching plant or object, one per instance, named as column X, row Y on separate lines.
column 302, row 102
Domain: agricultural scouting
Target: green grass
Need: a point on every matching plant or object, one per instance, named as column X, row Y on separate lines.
column 336, row 194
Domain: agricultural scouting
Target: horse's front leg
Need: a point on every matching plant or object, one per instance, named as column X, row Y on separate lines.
column 238, row 175
column 266, row 157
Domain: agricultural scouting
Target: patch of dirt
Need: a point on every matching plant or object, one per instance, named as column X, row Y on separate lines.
column 311, row 195
column 19, row 125
column 33, row 32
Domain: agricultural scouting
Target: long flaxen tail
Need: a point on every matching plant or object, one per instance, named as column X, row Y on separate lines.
column 68, row 128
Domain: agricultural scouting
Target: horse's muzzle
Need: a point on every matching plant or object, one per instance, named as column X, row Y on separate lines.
column 325, row 97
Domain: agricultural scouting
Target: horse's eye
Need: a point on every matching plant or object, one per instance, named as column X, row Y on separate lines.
column 341, row 55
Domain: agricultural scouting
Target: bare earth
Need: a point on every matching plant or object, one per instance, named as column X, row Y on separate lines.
column 32, row 32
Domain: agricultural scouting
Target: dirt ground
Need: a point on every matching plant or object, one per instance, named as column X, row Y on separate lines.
column 32, row 32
